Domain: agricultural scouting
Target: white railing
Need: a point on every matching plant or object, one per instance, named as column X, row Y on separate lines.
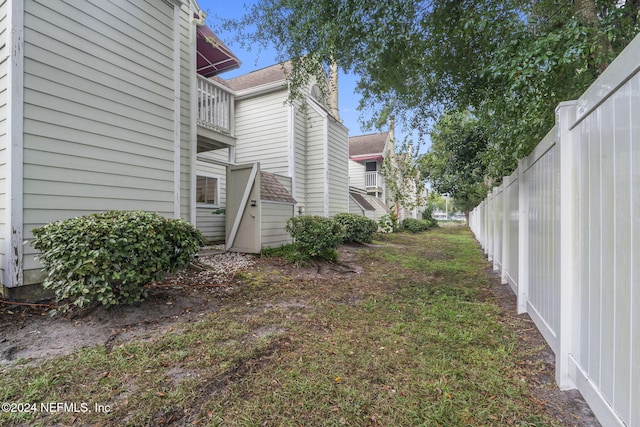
column 563, row 230
column 372, row 180
column 215, row 106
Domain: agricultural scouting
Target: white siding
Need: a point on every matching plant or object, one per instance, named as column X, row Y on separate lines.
column 274, row 217
column 355, row 208
column 98, row 110
column 338, row 168
column 187, row 119
column 300, row 137
column 4, row 61
column 262, row 132
column 316, row 163
column 210, row 224
column 356, row 174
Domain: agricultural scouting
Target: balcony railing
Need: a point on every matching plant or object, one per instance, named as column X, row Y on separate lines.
column 372, row 180
column 215, row 106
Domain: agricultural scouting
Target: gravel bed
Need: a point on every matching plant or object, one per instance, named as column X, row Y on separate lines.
column 220, row 269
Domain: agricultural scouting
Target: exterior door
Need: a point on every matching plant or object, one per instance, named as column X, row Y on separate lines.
column 243, row 208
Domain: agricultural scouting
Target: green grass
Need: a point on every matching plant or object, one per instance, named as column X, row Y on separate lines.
column 413, row 341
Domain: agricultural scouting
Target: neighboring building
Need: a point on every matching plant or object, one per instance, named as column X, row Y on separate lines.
column 366, row 155
column 302, row 144
column 302, row 141
column 367, row 182
column 367, row 185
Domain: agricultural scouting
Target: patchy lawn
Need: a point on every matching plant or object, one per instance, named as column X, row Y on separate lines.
column 412, row 330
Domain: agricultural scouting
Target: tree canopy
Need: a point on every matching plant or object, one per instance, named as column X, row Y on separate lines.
column 510, row 62
column 456, row 164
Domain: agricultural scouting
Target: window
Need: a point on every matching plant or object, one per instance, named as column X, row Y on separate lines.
column 371, row 166
column 316, row 93
column 207, row 190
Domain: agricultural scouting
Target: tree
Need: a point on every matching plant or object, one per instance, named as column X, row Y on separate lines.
column 509, row 61
column 437, row 202
column 455, row 163
column 403, row 185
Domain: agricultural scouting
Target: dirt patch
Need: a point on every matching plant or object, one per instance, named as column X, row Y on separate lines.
column 30, row 333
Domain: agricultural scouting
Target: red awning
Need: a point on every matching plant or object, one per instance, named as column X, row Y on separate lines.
column 213, row 56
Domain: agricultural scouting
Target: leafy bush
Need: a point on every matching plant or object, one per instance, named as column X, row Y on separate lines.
column 388, row 223
column 427, row 213
column 108, row 257
column 357, row 228
column 315, row 236
column 416, row 225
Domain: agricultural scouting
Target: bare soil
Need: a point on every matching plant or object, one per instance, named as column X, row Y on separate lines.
column 28, row 333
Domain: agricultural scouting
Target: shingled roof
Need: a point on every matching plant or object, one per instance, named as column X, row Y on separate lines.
column 372, row 143
column 271, row 189
column 362, row 201
column 260, row 77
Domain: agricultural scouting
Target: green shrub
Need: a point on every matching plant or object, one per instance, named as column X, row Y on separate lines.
column 315, row 237
column 108, row 257
column 358, row 229
column 416, row 225
column 427, row 213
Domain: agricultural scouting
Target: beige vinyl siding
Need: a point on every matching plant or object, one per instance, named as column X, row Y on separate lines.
column 210, row 225
column 213, row 226
column 300, row 136
column 338, row 157
column 98, row 110
column 316, row 163
column 187, row 119
column 356, row 174
column 274, row 217
column 262, row 132
column 4, row 62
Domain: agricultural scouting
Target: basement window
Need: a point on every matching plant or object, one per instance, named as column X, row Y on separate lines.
column 207, row 190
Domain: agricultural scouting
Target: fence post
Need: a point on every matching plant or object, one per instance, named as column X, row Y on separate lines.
column 497, row 231
column 523, row 238
column 569, row 242
column 506, row 235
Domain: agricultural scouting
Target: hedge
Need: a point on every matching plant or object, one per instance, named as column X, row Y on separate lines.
column 108, row 257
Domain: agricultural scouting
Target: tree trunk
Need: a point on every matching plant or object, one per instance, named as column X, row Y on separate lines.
column 586, row 12
column 333, row 90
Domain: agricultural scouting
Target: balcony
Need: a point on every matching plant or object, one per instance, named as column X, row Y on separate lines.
column 215, row 115
column 373, row 180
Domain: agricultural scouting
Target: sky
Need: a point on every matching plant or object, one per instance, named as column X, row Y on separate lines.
column 251, row 61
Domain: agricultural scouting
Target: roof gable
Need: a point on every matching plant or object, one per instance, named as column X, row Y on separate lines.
column 372, row 143
column 272, row 74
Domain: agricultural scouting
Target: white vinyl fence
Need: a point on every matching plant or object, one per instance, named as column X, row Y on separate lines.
column 564, row 232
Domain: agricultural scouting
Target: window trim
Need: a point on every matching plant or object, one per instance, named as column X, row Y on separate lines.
column 212, row 176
